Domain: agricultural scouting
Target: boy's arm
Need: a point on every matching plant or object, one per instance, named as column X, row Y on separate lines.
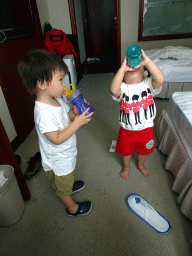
column 115, row 86
column 156, row 73
column 58, row 137
column 154, row 70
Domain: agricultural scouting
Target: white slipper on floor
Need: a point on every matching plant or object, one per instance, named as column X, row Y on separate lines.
column 146, row 212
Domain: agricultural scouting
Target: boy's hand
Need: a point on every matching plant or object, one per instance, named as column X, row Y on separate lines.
column 83, row 119
column 86, row 101
column 75, row 110
column 145, row 60
column 125, row 66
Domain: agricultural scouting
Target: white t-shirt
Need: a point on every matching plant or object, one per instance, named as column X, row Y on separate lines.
column 59, row 158
column 137, row 107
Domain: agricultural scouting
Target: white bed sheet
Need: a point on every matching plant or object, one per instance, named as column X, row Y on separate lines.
column 180, row 112
column 179, row 70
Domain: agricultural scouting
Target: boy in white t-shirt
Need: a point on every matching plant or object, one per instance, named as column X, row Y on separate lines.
column 43, row 73
column 137, row 110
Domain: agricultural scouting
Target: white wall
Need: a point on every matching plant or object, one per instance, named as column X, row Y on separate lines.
column 56, row 12
column 43, row 10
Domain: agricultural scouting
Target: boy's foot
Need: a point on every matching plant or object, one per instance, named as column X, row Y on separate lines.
column 34, row 167
column 124, row 173
column 143, row 170
column 78, row 186
column 84, row 208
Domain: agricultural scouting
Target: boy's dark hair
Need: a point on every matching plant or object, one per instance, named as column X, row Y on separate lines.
column 39, row 65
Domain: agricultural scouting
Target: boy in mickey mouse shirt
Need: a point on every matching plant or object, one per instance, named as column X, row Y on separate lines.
column 137, row 110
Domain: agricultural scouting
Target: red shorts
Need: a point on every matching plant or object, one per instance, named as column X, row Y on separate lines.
column 140, row 141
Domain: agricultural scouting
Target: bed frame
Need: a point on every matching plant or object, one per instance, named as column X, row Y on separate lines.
column 169, row 87
column 178, row 161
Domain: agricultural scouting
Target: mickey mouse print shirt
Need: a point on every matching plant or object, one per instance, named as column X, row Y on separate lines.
column 137, row 107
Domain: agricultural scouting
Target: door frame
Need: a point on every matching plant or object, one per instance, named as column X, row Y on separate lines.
column 74, row 27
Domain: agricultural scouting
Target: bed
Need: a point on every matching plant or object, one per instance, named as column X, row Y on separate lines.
column 176, row 65
column 174, row 132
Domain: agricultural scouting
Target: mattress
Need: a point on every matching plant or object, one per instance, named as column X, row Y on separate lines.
column 175, row 62
column 180, row 112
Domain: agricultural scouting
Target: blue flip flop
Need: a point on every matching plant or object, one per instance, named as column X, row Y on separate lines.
column 146, row 212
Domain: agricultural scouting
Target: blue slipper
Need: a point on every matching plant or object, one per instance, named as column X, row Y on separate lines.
column 146, row 212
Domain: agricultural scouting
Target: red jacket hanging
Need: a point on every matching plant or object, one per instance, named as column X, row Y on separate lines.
column 56, row 41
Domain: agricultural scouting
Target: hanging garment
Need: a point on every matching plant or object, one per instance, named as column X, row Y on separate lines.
column 57, row 42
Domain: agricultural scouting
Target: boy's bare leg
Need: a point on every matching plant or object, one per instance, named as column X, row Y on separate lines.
column 70, row 203
column 141, row 167
column 126, row 163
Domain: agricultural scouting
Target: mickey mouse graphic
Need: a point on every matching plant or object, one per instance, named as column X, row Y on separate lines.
column 136, row 106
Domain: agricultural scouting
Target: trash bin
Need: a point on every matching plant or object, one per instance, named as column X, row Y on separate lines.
column 11, row 201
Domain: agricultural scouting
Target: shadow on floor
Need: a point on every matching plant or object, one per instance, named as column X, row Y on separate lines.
column 101, row 64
